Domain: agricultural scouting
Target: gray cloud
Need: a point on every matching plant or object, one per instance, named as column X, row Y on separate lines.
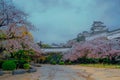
column 61, row 20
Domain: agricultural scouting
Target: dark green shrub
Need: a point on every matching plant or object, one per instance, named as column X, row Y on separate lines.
column 67, row 62
column 15, row 61
column 96, row 60
column 61, row 63
column 106, row 60
column 54, row 58
column 1, row 62
column 8, row 65
column 53, row 62
column 81, row 60
column 23, row 55
column 26, row 66
column 20, row 63
column 84, row 60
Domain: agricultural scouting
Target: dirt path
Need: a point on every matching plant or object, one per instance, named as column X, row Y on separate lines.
column 57, row 72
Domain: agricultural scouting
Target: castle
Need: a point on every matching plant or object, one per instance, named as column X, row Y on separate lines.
column 97, row 30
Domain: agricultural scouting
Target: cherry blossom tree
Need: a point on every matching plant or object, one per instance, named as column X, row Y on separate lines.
column 97, row 48
column 17, row 38
column 14, row 29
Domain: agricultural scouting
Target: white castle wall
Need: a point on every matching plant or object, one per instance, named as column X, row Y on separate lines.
column 114, row 34
column 109, row 35
column 48, row 50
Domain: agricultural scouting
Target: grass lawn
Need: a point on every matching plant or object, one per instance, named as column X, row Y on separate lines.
column 102, row 66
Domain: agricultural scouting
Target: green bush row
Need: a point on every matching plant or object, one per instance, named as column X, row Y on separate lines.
column 8, row 65
column 12, row 64
column 95, row 61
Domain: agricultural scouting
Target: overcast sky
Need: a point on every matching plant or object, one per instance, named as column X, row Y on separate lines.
column 61, row 20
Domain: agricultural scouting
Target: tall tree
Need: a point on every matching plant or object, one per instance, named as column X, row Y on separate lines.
column 16, row 35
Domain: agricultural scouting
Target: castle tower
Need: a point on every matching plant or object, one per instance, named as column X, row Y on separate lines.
column 98, row 27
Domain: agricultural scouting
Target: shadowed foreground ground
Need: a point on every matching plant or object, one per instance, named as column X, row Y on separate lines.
column 72, row 72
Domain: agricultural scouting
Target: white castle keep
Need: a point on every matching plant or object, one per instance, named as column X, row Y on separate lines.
column 98, row 29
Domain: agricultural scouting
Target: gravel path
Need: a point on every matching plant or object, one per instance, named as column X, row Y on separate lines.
column 57, row 72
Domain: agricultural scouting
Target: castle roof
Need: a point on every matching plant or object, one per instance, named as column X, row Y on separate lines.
column 98, row 24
